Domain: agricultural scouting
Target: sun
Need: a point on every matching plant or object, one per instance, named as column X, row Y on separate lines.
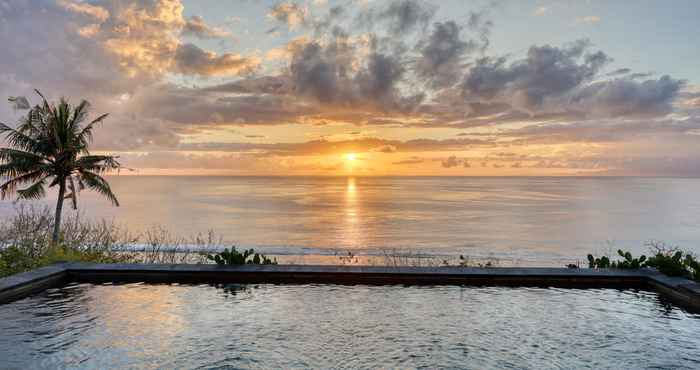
column 350, row 157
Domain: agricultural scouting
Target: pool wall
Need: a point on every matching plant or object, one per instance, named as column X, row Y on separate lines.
column 683, row 292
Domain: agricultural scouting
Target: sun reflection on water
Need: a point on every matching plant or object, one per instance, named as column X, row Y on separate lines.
column 352, row 212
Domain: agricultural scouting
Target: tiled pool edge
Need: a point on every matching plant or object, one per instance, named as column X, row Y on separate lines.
column 681, row 291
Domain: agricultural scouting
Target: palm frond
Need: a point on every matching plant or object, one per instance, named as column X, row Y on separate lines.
column 41, row 95
column 35, row 191
column 98, row 163
column 85, row 135
column 97, row 183
column 11, row 155
column 46, row 147
column 19, row 140
column 11, row 185
column 14, row 163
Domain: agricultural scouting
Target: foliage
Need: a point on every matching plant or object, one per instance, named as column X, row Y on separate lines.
column 628, row 262
column 15, row 259
column 467, row 262
column 598, row 263
column 669, row 261
column 348, row 259
column 669, row 264
column 673, row 262
column 234, row 257
column 693, row 265
column 25, row 243
column 49, row 147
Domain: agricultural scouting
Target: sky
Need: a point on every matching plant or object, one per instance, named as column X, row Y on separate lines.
column 369, row 87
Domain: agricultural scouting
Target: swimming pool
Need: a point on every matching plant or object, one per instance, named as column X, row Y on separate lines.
column 333, row 326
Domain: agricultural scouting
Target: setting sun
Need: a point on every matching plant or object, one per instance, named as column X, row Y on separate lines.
column 351, row 157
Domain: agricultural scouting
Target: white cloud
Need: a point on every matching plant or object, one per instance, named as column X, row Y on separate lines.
column 589, row 19
column 542, row 10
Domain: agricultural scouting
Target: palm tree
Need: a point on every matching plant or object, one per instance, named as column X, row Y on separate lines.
column 50, row 146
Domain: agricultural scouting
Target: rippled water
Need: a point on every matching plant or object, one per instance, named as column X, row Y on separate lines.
column 534, row 221
column 327, row 326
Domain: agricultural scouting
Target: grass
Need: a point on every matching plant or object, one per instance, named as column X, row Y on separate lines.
column 25, row 243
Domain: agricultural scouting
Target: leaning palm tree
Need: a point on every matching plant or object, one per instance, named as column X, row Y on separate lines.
column 49, row 146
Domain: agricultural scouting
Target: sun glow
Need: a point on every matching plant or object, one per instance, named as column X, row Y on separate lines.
column 350, row 157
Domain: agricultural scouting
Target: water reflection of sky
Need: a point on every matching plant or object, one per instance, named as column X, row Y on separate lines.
column 530, row 218
column 329, row 326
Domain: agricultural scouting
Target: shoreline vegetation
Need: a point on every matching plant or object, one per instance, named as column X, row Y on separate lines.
column 26, row 244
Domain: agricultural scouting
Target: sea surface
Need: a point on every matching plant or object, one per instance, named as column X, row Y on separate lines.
column 520, row 221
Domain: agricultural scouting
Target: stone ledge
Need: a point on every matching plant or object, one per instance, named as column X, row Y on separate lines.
column 682, row 291
column 21, row 285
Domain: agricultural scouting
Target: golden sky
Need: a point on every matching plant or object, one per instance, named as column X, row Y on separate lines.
column 400, row 87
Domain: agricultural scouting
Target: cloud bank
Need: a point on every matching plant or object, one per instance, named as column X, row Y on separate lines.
column 396, row 67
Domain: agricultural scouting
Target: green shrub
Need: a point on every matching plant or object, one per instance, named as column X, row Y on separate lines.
column 628, row 261
column 694, row 266
column 14, row 259
column 234, row 257
column 668, row 264
column 668, row 260
column 598, row 263
column 673, row 262
column 25, row 242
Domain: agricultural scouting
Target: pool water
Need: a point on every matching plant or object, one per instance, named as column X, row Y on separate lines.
column 328, row 326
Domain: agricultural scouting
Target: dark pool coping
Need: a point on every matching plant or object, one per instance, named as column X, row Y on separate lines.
column 681, row 291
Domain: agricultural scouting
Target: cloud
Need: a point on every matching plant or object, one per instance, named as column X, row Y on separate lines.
column 95, row 12
column 618, row 72
column 225, row 104
column 450, row 162
column 290, row 13
column 409, row 161
column 120, row 43
column 441, row 55
column 600, row 132
column 143, row 35
column 589, row 19
column 546, row 72
column 323, row 147
column 400, row 65
column 629, row 98
column 192, row 60
column 385, row 149
column 195, row 26
column 540, row 11
column 332, row 74
column 399, row 16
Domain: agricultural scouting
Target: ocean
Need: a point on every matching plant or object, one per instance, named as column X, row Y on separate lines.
column 520, row 221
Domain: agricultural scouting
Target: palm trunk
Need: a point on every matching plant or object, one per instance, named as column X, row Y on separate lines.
column 59, row 210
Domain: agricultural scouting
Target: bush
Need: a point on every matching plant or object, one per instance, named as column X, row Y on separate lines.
column 25, row 243
column 233, row 257
column 628, row 261
column 673, row 262
column 669, row 261
column 14, row 260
